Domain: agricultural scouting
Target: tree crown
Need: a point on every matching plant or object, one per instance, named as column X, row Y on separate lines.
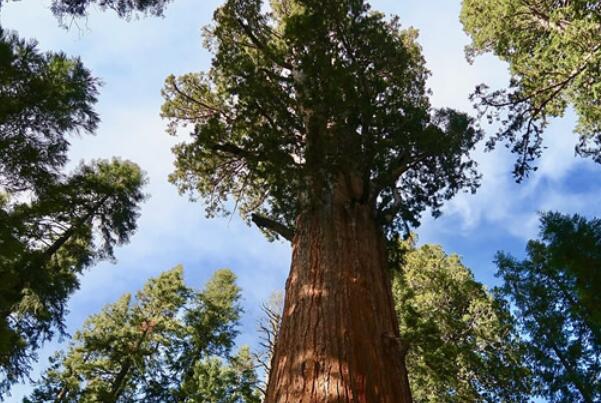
column 308, row 96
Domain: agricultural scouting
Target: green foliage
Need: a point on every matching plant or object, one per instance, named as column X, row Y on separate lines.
column 123, row 8
column 50, row 240
column 555, row 291
column 216, row 382
column 308, row 96
column 52, row 225
column 169, row 344
column 554, row 53
column 43, row 98
column 462, row 345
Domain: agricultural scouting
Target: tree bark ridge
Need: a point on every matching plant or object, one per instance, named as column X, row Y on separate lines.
column 339, row 340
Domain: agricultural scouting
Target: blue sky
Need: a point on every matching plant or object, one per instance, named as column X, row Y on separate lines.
column 133, row 58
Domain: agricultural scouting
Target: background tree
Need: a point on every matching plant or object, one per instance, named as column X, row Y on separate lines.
column 314, row 119
column 131, row 351
column 44, row 98
column 52, row 225
column 555, row 291
column 461, row 343
column 52, row 239
column 123, row 8
column 553, row 48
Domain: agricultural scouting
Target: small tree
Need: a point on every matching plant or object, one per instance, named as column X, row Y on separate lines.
column 462, row 344
column 269, row 327
column 556, row 294
column 147, row 349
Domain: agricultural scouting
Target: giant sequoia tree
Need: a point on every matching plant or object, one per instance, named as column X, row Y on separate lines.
column 314, row 119
column 460, row 343
column 553, row 48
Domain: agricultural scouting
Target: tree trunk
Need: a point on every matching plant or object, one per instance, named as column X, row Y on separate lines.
column 339, row 340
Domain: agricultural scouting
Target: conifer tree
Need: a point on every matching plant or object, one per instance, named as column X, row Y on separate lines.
column 314, row 120
column 553, row 48
column 556, row 292
column 123, row 8
column 133, row 350
column 461, row 342
column 52, row 225
column 52, row 239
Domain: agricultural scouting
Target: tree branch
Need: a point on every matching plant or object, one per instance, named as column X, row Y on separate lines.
column 262, row 46
column 390, row 179
column 271, row 225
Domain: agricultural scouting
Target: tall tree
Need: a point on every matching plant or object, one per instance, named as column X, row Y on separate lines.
column 51, row 239
column 462, row 344
column 315, row 120
column 555, row 291
column 131, row 350
column 52, row 225
column 553, row 48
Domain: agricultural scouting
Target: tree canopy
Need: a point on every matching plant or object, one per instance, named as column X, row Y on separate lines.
column 168, row 344
column 52, row 225
column 44, row 98
column 462, row 343
column 48, row 242
column 555, row 291
column 304, row 96
column 123, row 8
column 553, row 48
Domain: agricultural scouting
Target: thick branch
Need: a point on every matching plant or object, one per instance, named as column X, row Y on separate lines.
column 391, row 178
column 271, row 225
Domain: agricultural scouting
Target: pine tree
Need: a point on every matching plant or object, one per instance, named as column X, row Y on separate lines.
column 148, row 349
column 123, row 8
column 556, row 294
column 314, row 119
column 44, row 98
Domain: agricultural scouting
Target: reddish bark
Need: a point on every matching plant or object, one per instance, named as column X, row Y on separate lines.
column 339, row 339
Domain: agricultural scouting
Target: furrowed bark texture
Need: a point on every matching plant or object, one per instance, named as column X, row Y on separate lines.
column 339, row 336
